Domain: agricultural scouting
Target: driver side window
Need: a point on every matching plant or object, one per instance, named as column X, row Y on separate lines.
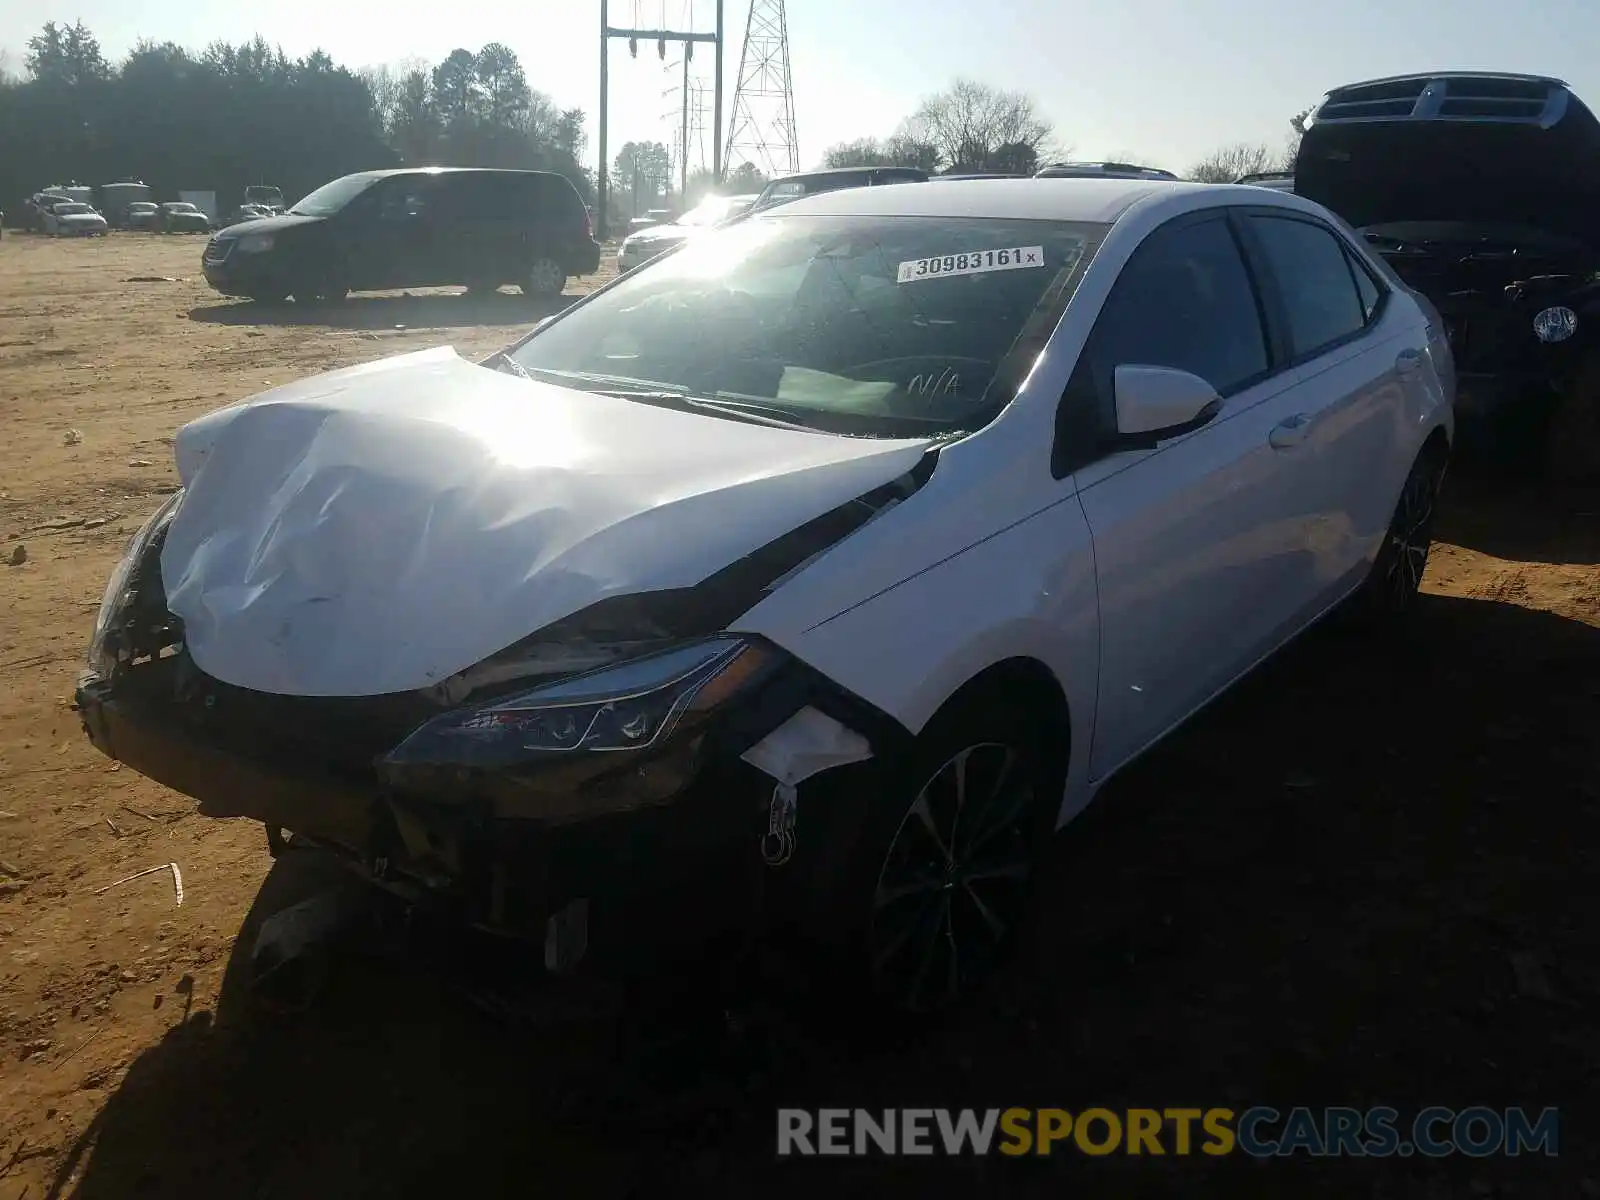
column 1185, row 300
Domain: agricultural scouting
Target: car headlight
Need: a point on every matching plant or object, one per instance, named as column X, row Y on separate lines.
column 630, row 705
column 117, row 595
column 254, row 243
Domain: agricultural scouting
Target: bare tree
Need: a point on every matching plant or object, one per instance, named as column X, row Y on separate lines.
column 970, row 122
column 863, row 152
column 1230, row 162
column 905, row 149
column 901, row 150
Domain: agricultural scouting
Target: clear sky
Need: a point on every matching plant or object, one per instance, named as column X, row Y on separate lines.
column 1163, row 80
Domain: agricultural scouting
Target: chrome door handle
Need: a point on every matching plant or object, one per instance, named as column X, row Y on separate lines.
column 1408, row 361
column 1289, row 432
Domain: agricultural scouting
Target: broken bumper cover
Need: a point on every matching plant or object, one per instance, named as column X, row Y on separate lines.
column 659, row 844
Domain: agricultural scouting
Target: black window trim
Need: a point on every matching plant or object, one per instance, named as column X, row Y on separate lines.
column 1085, row 425
column 1277, row 308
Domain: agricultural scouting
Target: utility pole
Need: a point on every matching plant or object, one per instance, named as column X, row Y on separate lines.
column 661, row 37
column 683, row 138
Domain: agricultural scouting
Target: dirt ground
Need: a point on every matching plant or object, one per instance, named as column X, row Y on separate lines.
column 1366, row 877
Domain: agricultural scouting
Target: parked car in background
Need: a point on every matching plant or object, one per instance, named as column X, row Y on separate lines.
column 70, row 218
column 263, row 196
column 811, row 183
column 1101, row 170
column 411, row 228
column 1278, row 181
column 141, row 214
column 247, row 212
column 179, row 216
column 37, row 207
column 1482, row 191
column 866, row 538
column 641, row 246
column 117, row 198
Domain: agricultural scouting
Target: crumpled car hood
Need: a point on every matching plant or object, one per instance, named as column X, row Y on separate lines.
column 380, row 528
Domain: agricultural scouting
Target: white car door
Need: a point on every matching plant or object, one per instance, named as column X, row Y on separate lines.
column 1199, row 543
column 1351, row 353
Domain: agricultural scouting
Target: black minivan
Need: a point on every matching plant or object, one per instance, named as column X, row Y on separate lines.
column 424, row 227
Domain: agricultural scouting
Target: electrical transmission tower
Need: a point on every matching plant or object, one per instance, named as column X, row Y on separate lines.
column 762, row 129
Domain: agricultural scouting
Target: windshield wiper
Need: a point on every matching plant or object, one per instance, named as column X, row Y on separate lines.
column 624, row 388
column 605, row 385
column 760, row 414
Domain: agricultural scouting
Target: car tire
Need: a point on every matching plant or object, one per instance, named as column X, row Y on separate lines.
column 924, row 895
column 1572, row 439
column 545, row 277
column 1389, row 593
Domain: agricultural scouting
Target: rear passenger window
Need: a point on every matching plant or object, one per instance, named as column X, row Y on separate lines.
column 488, row 197
column 1315, row 276
column 1186, row 301
column 1366, row 286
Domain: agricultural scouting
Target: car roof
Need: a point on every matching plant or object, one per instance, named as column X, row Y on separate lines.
column 1415, row 76
column 388, row 171
column 1094, row 199
column 1073, row 168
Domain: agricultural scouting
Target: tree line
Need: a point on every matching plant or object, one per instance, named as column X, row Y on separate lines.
column 974, row 128
column 232, row 115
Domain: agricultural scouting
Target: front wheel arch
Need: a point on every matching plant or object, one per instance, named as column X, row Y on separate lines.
column 846, row 825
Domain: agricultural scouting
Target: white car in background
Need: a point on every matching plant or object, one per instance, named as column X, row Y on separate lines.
column 642, row 245
column 70, row 218
column 820, row 571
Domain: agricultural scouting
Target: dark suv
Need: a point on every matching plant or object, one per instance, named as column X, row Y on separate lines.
column 1482, row 191
column 411, row 228
column 792, row 187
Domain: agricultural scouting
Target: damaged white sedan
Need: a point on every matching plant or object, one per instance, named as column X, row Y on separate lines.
column 810, row 576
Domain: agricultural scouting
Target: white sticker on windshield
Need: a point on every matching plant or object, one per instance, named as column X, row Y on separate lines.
column 972, row 262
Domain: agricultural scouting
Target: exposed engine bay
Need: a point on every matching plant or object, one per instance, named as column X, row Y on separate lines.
column 1492, row 283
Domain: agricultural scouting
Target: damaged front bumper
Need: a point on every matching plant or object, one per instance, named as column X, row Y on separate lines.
column 656, row 850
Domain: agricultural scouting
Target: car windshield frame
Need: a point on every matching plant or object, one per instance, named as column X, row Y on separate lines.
column 334, row 196
column 722, row 280
column 73, row 208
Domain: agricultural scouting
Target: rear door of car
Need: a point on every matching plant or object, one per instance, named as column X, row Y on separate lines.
column 1199, row 543
column 1353, row 351
column 559, row 223
column 482, row 229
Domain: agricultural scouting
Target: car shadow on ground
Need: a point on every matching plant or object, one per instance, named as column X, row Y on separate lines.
column 1521, row 521
column 432, row 311
column 1364, row 877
